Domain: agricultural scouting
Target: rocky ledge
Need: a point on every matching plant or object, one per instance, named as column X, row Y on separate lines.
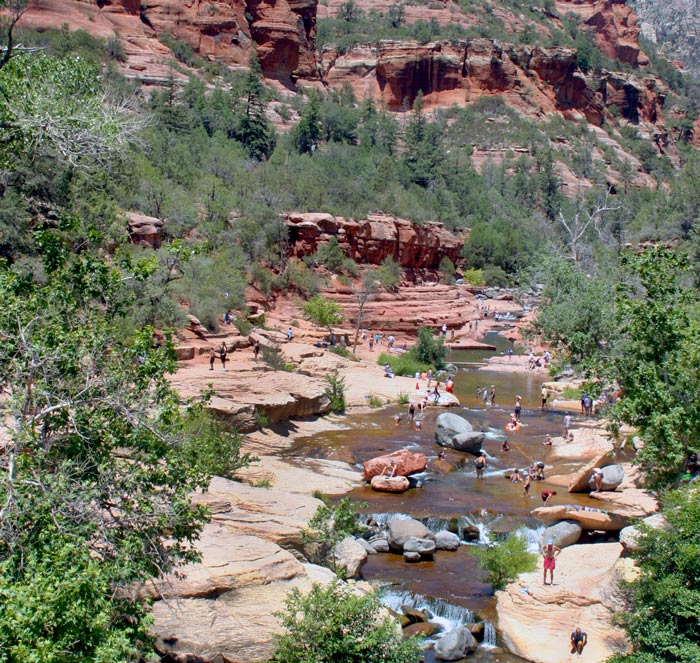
column 536, row 620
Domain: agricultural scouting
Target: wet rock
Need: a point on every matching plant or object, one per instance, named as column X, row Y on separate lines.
column 369, row 548
column 415, row 616
column 385, row 484
column 455, row 645
column 400, row 530
column 590, row 519
column 404, row 461
column 613, row 476
column 456, row 432
column 477, row 630
column 424, row 547
column 381, row 545
column 445, row 540
column 425, row 630
column 411, row 557
column 349, row 555
column 563, row 534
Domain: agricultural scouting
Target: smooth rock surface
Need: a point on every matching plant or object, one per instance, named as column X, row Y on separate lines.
column 400, row 530
column 349, row 555
column 424, row 547
column 445, row 540
column 405, row 463
column 579, row 483
column 455, row 432
column 588, row 519
column 384, row 484
column 536, row 620
column 455, row 645
column 563, row 534
column 629, row 536
column 613, row 476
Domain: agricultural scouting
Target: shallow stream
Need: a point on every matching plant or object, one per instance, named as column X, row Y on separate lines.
column 453, row 582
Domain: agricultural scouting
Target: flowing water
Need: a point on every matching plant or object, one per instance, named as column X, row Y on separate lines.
column 452, row 585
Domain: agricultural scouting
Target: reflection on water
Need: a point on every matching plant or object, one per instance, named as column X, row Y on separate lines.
column 479, row 511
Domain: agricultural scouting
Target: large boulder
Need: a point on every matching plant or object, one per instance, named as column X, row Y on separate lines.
column 385, row 484
column 404, row 461
column 579, row 482
column 424, row 547
column 456, row 432
column 445, row 540
column 349, row 555
column 455, row 645
column 400, row 530
column 589, row 519
column 629, row 536
column 613, row 476
column 563, row 534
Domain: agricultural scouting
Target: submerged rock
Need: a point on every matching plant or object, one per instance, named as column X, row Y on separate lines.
column 613, row 476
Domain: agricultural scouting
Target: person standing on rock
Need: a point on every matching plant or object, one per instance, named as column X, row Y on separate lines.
column 437, row 391
column 212, row 359
column 480, row 465
column 578, row 641
column 256, row 350
column 223, row 353
column 550, row 552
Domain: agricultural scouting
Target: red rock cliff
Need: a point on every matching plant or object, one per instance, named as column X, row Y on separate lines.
column 283, row 30
column 372, row 240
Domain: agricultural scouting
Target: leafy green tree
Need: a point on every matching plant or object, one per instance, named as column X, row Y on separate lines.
column 657, row 363
column 307, row 132
column 253, row 129
column 389, row 273
column 505, row 560
column 336, row 623
column 429, row 348
column 335, row 392
column 96, row 482
column 323, row 312
column 663, row 617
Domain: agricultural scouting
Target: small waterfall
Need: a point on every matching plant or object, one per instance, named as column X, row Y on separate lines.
column 448, row 615
column 489, row 634
column 381, row 519
column 532, row 537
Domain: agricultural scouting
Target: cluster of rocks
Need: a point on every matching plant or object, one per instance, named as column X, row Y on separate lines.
column 457, row 433
column 453, row 645
column 404, row 536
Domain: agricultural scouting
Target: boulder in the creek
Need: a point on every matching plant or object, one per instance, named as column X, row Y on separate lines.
column 613, row 476
column 349, row 555
column 455, row 645
column 629, row 536
column 400, row 530
column 369, row 548
column 403, row 461
column 384, row 484
column 411, row 557
column 445, row 540
column 563, row 534
column 477, row 630
column 424, row 547
column 456, row 432
column 380, row 543
column 423, row 630
column 414, row 615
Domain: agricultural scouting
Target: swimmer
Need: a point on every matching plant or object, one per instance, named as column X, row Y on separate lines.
column 418, row 424
column 515, row 477
column 397, row 419
column 442, row 454
column 505, row 446
column 547, row 441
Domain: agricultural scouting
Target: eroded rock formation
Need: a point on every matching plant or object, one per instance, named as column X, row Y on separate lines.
column 372, row 240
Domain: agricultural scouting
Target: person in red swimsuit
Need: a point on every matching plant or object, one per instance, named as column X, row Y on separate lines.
column 550, row 552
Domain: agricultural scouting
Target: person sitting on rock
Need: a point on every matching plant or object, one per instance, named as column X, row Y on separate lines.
column 598, row 478
column 578, row 641
column 390, row 469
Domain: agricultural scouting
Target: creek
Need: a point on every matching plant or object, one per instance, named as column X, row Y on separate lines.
column 452, row 585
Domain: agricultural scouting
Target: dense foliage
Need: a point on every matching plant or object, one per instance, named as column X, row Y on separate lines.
column 336, row 624
column 663, row 620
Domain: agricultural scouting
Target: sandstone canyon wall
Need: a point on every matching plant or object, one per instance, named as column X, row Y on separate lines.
column 283, row 30
column 372, row 240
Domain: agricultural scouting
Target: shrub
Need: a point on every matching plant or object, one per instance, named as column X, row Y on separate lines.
column 389, row 274
column 429, row 349
column 402, row 364
column 447, row 269
column 335, row 391
column 504, row 561
column 335, row 623
column 495, row 276
column 273, row 357
column 374, row 401
column 474, row 276
column 402, row 398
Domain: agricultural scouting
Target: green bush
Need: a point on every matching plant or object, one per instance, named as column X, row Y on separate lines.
column 495, row 277
column 335, row 391
column 389, row 274
column 336, row 623
column 429, row 348
column 402, row 398
column 474, row 276
column 374, row 401
column 402, row 363
column 504, row 561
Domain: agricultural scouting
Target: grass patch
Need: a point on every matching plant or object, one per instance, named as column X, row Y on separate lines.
column 571, row 393
column 374, row 401
column 402, row 364
column 402, row 398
